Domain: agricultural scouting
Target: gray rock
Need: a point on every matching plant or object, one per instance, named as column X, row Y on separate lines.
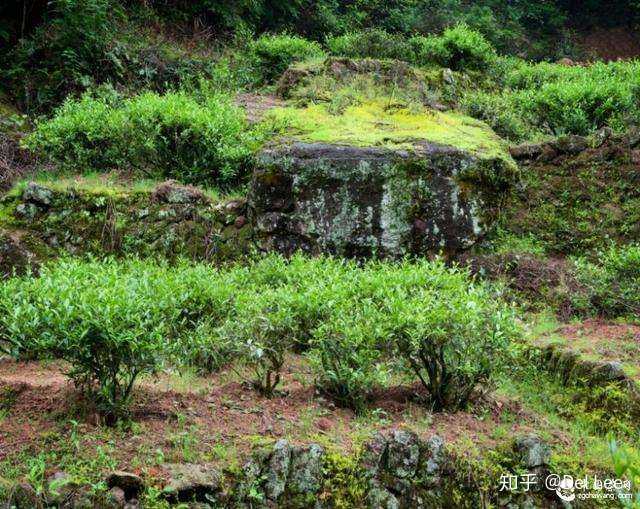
column 306, row 470
column 116, row 497
column 27, row 210
column 601, row 136
column 189, row 482
column 609, row 372
column 37, row 194
column 403, row 454
column 175, row 193
column 277, row 469
column 434, row 456
column 533, row 451
column 14, row 256
column 373, row 454
column 380, row 498
column 374, row 201
column 448, row 77
column 131, row 484
column 571, row 144
column 61, row 490
column 527, row 151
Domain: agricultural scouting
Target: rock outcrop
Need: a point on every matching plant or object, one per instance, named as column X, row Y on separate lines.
column 46, row 220
column 389, row 201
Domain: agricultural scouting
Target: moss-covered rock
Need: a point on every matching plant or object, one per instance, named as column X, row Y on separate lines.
column 44, row 220
column 378, row 181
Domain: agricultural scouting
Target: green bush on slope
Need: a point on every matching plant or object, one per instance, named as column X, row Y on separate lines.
column 114, row 321
column 159, row 136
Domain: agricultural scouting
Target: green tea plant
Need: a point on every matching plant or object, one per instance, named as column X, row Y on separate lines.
column 610, row 285
column 159, row 136
column 459, row 48
column 626, row 465
column 274, row 53
column 112, row 322
column 453, row 336
column 372, row 43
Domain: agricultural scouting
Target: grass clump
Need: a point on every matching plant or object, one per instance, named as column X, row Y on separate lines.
column 172, row 135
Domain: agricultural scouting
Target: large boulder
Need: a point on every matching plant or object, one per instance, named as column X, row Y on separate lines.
column 377, row 187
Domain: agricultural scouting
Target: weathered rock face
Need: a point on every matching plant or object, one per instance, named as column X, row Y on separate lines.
column 15, row 258
column 172, row 220
column 372, row 201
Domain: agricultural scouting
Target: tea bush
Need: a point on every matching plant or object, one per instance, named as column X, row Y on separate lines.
column 275, row 53
column 111, row 321
column 610, row 285
column 533, row 100
column 159, row 136
column 114, row 321
column 373, row 43
column 458, row 47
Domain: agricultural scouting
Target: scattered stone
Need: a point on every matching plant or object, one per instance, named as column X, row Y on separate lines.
column 533, row 452
column 27, row 211
column 278, row 469
column 571, row 144
column 116, row 497
column 240, row 222
column 14, row 257
column 403, row 454
column 567, row 62
column 526, row 151
column 306, row 470
column 130, row 483
column 448, row 77
column 610, row 372
column 175, row 193
column 188, row 482
column 24, row 496
column 601, row 136
column 37, row 194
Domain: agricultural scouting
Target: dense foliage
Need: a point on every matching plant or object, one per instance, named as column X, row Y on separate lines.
column 114, row 321
column 172, row 135
column 610, row 285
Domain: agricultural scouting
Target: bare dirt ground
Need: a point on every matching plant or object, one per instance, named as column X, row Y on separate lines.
column 214, row 417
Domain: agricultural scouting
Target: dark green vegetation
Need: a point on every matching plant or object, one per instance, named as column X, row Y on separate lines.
column 114, row 322
column 485, row 193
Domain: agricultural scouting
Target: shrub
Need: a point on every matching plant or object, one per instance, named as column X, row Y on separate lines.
column 114, row 321
column 373, row 43
column 347, row 359
column 459, row 48
column 452, row 336
column 111, row 321
column 611, row 287
column 275, row 53
column 171, row 135
column 498, row 113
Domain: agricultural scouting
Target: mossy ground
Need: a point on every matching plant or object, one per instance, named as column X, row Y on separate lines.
column 386, row 123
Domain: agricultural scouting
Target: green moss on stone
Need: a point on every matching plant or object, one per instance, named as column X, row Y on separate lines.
column 384, row 123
